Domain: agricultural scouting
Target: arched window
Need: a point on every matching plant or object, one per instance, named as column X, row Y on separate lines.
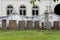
column 9, row 9
column 35, row 10
column 22, row 10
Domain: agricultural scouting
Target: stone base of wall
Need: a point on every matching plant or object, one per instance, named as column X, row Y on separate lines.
column 29, row 24
column 12, row 24
column 43, row 26
column 48, row 25
column 36, row 25
column 4, row 24
column 56, row 24
column 21, row 25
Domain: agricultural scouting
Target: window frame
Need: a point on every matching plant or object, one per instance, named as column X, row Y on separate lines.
column 35, row 8
column 10, row 9
column 21, row 10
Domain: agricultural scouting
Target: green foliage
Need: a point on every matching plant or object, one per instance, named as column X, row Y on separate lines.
column 33, row 1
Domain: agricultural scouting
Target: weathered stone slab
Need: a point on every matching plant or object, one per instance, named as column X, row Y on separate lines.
column 29, row 24
column 36, row 25
column 12, row 24
column 56, row 24
column 4, row 26
column 21, row 25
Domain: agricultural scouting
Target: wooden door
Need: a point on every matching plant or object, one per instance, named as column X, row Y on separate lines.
column 36, row 25
column 29, row 24
column 21, row 25
column 12, row 24
column 56, row 24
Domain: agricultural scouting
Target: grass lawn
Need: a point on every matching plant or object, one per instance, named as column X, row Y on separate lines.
column 29, row 35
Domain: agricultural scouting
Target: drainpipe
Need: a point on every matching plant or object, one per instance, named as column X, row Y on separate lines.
column 59, row 22
column 46, row 19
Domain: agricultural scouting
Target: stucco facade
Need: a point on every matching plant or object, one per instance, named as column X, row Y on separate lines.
column 42, row 7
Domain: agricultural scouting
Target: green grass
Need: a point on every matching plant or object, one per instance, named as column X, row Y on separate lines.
column 29, row 35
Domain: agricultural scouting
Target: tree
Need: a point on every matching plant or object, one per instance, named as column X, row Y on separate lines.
column 32, row 1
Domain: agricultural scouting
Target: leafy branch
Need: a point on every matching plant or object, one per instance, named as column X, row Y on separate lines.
column 32, row 1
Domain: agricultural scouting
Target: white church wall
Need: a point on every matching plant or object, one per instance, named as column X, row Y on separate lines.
column 0, row 9
column 16, row 4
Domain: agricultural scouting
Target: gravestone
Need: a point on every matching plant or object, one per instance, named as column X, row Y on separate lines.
column 56, row 24
column 36, row 25
column 29, row 24
column 21, row 25
column 12, row 24
column 4, row 26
